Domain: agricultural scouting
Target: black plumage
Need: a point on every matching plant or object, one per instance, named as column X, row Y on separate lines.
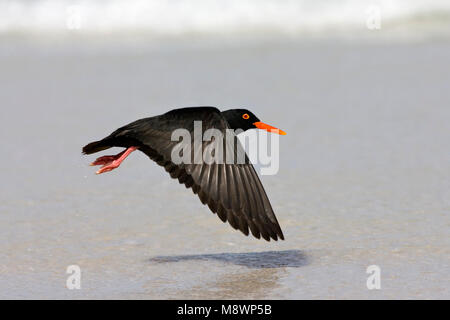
column 231, row 190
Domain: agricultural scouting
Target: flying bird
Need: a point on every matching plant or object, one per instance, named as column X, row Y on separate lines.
column 231, row 190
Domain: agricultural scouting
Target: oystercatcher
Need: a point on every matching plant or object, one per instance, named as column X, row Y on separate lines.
column 232, row 190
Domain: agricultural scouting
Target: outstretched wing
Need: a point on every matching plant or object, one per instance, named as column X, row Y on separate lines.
column 232, row 190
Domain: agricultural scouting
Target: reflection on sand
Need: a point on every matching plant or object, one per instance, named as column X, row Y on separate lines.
column 254, row 284
column 258, row 283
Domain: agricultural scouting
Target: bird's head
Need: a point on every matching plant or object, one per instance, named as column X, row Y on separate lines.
column 245, row 119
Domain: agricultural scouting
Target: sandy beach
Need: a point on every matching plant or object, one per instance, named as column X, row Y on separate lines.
column 364, row 176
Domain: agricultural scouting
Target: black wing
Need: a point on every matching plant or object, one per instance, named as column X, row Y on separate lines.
column 233, row 191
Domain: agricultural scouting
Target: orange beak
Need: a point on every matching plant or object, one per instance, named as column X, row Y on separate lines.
column 263, row 126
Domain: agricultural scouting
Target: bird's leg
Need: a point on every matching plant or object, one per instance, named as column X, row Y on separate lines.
column 106, row 159
column 112, row 162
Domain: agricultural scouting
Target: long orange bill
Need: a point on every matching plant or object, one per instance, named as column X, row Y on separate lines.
column 263, row 126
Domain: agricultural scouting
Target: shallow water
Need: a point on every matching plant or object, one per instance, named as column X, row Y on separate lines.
column 364, row 174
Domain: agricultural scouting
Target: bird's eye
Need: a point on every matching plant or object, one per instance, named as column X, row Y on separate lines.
column 245, row 116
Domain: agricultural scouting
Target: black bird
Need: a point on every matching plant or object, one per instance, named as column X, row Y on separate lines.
column 232, row 190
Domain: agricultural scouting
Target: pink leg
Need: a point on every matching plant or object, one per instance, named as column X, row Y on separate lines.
column 106, row 159
column 112, row 162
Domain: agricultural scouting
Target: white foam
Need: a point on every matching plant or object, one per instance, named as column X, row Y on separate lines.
column 179, row 17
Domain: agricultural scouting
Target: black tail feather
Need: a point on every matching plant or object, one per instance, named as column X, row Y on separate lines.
column 96, row 146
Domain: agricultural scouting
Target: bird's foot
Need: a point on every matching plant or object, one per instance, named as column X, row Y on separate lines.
column 106, row 159
column 112, row 162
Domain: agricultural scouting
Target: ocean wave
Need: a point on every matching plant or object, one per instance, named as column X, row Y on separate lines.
column 180, row 17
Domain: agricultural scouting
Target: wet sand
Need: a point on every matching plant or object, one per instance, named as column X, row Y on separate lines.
column 364, row 175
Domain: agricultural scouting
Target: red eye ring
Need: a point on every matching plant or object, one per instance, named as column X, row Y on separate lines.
column 245, row 116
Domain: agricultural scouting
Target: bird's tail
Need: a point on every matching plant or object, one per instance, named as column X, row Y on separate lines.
column 96, row 146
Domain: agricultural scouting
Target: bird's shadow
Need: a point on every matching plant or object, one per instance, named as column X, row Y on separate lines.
column 256, row 260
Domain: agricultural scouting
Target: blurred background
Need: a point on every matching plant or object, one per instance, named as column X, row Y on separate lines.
column 233, row 18
column 360, row 87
